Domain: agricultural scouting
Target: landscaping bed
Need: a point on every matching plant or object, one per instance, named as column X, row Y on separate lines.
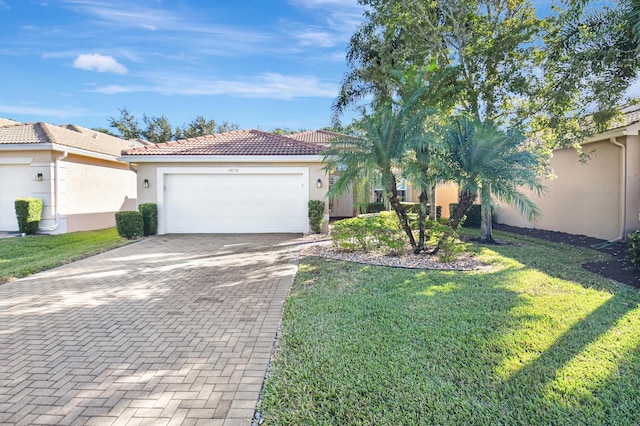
column 617, row 268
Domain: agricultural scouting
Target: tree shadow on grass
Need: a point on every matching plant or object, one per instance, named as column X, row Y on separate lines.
column 439, row 342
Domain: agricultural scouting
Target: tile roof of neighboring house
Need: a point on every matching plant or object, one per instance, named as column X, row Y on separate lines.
column 315, row 136
column 69, row 135
column 239, row 142
column 631, row 114
column 7, row 122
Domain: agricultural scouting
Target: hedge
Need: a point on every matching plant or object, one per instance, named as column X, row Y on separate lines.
column 149, row 213
column 130, row 224
column 376, row 207
column 28, row 213
column 415, row 208
column 474, row 215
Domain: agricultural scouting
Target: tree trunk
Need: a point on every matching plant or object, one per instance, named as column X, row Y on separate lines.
column 486, row 231
column 465, row 201
column 402, row 216
column 424, row 200
column 433, row 209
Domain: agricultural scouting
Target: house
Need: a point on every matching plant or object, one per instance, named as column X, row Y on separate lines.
column 73, row 170
column 343, row 206
column 245, row 181
column 597, row 196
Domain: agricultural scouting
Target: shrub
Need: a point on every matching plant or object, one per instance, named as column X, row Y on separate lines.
column 28, row 213
column 376, row 207
column 316, row 215
column 130, row 224
column 149, row 213
column 473, row 217
column 633, row 249
column 390, row 234
column 370, row 231
column 446, row 240
column 415, row 208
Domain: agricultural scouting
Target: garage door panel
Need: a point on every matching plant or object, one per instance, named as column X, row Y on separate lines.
column 221, row 203
column 15, row 184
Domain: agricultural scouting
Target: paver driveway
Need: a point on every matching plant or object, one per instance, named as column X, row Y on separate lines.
column 172, row 330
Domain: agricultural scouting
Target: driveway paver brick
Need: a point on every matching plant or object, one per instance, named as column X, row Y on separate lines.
column 175, row 329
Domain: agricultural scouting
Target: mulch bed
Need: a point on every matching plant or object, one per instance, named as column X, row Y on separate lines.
column 618, row 268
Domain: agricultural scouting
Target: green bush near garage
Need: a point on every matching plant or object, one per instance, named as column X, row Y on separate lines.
column 149, row 213
column 316, row 215
column 28, row 213
column 130, row 224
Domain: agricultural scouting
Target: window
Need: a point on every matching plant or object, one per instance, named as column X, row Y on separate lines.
column 402, row 191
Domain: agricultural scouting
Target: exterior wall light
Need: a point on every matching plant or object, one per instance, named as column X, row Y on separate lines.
column 319, row 183
column 145, row 183
column 39, row 177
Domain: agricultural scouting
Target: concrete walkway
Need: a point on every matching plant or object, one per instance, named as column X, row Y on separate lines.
column 171, row 330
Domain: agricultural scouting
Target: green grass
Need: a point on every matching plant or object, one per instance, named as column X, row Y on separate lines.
column 538, row 340
column 22, row 256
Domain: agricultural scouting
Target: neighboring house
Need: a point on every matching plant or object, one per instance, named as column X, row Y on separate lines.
column 73, row 170
column 343, row 206
column 245, row 181
column 599, row 196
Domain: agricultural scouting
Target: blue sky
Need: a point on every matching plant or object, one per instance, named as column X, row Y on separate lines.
column 257, row 63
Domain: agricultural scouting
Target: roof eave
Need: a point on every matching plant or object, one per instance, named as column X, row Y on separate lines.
column 221, row 158
column 629, row 130
column 58, row 148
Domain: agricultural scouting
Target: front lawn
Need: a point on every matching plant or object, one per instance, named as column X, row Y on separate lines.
column 22, row 256
column 538, row 340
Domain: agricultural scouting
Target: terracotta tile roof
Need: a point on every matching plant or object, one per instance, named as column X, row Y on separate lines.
column 322, row 137
column 69, row 135
column 239, row 142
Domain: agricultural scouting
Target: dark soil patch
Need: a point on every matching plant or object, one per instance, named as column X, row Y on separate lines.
column 618, row 268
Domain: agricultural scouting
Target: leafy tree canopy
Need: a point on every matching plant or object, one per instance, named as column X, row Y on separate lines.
column 159, row 129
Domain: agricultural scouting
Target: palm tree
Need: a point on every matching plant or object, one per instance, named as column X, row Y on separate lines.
column 388, row 131
column 483, row 158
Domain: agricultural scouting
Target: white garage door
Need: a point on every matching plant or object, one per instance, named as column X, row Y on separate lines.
column 235, row 203
column 15, row 182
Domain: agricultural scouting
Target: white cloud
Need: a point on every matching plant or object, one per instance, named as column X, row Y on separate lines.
column 316, row 38
column 100, row 63
column 38, row 111
column 326, row 3
column 267, row 85
column 339, row 18
column 114, row 89
column 124, row 13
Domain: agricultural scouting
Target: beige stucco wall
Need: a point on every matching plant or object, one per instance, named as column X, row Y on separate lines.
column 94, row 190
column 91, row 190
column 445, row 194
column 18, row 170
column 316, row 171
column 585, row 197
